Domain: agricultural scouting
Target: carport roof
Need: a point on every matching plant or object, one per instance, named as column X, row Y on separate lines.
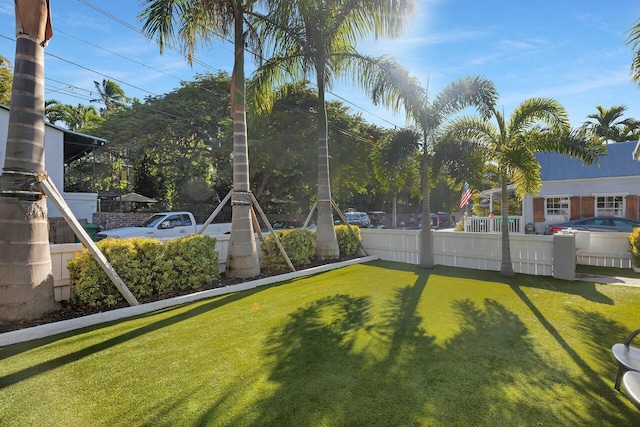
column 76, row 145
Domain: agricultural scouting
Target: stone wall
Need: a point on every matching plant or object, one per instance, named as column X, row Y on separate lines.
column 109, row 220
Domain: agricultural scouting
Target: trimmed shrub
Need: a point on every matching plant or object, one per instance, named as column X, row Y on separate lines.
column 147, row 267
column 347, row 243
column 190, row 263
column 634, row 240
column 300, row 246
column 91, row 285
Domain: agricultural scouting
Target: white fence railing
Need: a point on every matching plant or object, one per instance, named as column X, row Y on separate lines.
column 530, row 253
column 479, row 224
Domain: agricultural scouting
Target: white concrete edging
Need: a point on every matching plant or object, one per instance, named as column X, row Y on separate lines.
column 46, row 330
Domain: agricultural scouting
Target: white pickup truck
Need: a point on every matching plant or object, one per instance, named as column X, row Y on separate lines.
column 166, row 225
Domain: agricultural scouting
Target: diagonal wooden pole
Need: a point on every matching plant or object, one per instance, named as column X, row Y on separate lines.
column 353, row 233
column 215, row 212
column 49, row 189
column 254, row 202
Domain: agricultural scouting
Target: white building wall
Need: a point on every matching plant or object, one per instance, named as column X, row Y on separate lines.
column 83, row 205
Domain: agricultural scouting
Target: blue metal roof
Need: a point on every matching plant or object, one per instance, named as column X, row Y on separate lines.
column 618, row 162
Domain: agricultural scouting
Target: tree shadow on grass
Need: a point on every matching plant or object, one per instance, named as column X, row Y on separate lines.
column 587, row 290
column 488, row 373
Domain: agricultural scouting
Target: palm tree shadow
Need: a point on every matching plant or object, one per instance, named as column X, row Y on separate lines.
column 586, row 290
column 323, row 371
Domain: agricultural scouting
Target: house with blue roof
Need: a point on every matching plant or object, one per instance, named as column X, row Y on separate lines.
column 572, row 190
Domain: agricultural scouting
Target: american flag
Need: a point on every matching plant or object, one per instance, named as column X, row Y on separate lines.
column 466, row 195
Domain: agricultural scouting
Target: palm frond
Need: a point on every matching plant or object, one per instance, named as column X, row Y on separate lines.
column 541, row 110
column 633, row 39
column 477, row 91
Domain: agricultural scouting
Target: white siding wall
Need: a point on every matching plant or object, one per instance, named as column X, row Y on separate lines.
column 83, row 205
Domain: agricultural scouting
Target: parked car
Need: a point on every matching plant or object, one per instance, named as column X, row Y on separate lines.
column 361, row 219
column 165, row 225
column 600, row 223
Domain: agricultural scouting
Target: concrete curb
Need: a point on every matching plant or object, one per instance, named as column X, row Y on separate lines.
column 49, row 329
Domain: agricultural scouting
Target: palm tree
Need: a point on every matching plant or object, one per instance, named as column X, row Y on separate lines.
column 111, row 95
column 402, row 91
column 633, row 39
column 79, row 117
column 536, row 125
column 316, row 38
column 203, row 20
column 26, row 284
column 607, row 124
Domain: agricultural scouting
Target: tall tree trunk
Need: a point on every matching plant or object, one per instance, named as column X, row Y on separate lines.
column 326, row 240
column 506, row 268
column 242, row 259
column 426, row 236
column 26, row 281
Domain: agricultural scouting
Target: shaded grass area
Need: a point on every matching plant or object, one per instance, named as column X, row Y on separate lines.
column 607, row 271
column 373, row 344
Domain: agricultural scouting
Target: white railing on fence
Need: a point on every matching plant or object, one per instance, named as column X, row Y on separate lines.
column 530, row 253
column 485, row 224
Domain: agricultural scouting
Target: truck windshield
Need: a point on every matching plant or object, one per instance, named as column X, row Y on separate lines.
column 152, row 221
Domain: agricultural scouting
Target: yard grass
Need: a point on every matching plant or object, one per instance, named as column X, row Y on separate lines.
column 381, row 343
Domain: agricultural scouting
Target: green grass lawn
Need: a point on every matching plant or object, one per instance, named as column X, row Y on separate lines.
column 377, row 344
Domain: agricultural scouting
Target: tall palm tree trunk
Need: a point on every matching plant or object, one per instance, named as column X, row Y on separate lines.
column 506, row 268
column 242, row 259
column 326, row 240
column 426, row 236
column 26, row 281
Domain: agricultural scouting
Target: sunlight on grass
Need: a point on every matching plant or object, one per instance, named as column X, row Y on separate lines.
column 373, row 344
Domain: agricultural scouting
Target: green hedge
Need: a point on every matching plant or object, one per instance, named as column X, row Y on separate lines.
column 347, row 243
column 300, row 246
column 147, row 267
column 634, row 240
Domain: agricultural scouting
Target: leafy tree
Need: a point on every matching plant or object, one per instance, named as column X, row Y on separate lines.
column 202, row 21
column 178, row 144
column 317, row 38
column 6, row 79
column 111, row 95
column 26, row 284
column 281, row 147
column 536, row 125
column 609, row 125
column 396, row 161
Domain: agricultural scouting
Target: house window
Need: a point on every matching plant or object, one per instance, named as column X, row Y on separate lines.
column 610, row 206
column 557, row 209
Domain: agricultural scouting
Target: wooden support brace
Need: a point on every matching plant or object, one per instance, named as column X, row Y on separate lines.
column 49, row 189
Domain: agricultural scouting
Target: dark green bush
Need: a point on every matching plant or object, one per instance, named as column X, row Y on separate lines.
column 191, row 262
column 347, row 243
column 300, row 246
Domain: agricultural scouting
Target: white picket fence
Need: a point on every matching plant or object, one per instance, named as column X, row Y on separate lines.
column 479, row 224
column 530, row 253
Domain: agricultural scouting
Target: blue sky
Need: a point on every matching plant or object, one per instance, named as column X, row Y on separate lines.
column 570, row 50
